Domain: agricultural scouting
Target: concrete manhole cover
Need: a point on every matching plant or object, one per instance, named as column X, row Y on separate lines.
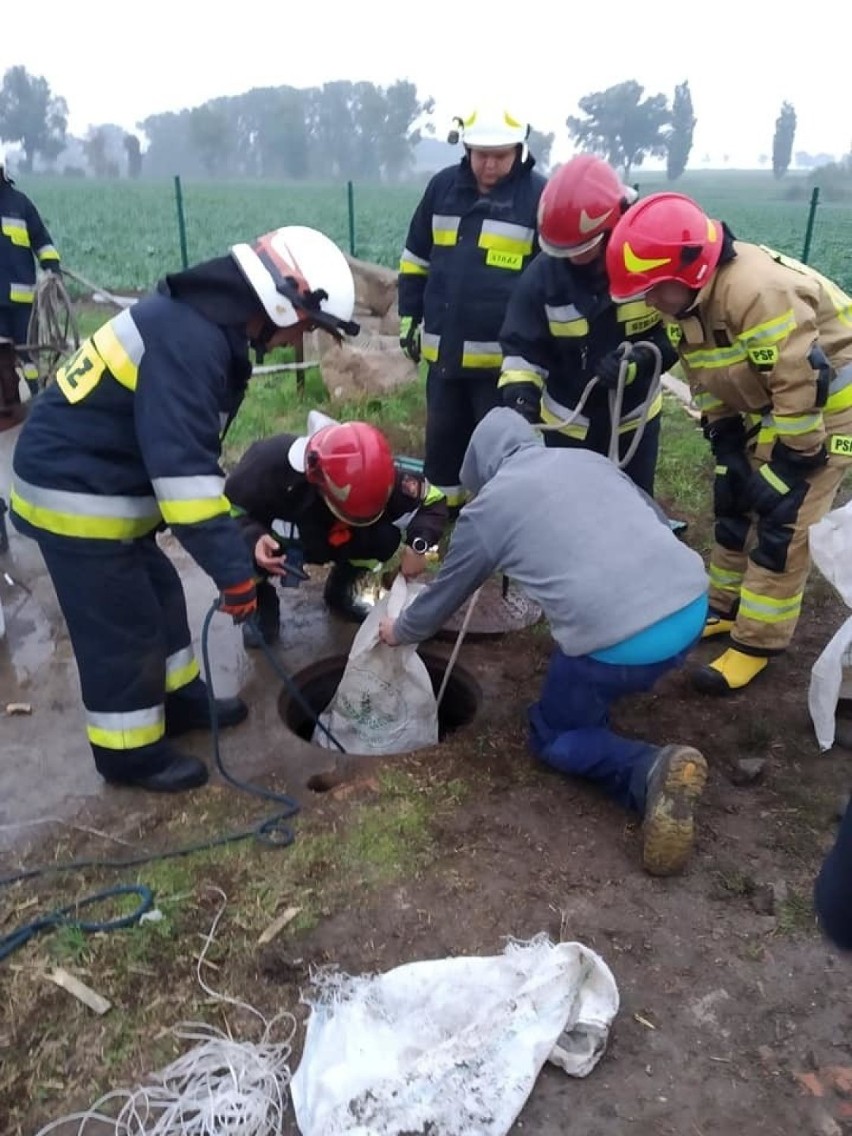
column 498, row 610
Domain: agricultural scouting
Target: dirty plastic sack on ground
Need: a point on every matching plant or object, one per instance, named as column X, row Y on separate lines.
column 385, row 702
column 449, row 1046
column 830, row 543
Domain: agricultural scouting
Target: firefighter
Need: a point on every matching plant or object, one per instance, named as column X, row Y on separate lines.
column 24, row 239
column 562, row 328
column 471, row 237
column 127, row 441
column 766, row 343
column 625, row 600
column 335, row 495
column 833, row 887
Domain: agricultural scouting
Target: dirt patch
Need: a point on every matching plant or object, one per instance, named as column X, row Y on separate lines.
column 735, row 1013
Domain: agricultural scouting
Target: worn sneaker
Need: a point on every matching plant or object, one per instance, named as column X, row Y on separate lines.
column 675, row 782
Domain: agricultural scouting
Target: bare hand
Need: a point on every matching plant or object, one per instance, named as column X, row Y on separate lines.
column 386, row 632
column 268, row 555
column 412, row 563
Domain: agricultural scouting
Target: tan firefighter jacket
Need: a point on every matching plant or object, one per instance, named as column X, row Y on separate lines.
column 751, row 344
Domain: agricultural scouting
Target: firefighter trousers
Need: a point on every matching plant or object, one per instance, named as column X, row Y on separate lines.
column 124, row 606
column 14, row 325
column 759, row 565
column 454, row 406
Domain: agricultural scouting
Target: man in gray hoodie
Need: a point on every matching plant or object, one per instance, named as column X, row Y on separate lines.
column 625, row 600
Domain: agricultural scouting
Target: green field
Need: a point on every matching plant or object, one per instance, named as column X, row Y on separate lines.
column 124, row 235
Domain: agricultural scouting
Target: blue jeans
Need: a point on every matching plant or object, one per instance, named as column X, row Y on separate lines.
column 569, row 725
column 833, row 889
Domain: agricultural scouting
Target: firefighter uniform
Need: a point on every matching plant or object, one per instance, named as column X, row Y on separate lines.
column 23, row 240
column 559, row 324
column 464, row 255
column 125, row 442
column 767, row 348
column 264, row 488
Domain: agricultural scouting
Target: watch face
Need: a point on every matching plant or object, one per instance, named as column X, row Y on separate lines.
column 419, row 544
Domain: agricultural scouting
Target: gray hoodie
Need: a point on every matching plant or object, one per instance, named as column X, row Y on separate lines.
column 572, row 531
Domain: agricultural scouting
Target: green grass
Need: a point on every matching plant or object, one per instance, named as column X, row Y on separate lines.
column 123, row 235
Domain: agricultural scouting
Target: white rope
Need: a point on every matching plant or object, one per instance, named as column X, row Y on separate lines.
column 457, row 645
column 616, row 398
column 221, row 1087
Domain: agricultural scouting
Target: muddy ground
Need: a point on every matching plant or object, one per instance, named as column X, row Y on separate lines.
column 735, row 1013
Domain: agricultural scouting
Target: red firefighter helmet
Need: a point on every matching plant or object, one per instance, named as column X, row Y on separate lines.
column 351, row 464
column 666, row 237
column 580, row 204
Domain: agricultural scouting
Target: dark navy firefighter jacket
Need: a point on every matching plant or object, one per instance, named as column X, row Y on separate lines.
column 559, row 324
column 127, row 438
column 463, row 256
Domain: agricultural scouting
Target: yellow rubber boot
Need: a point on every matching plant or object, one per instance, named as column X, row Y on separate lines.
column 717, row 624
column 731, row 671
column 675, row 782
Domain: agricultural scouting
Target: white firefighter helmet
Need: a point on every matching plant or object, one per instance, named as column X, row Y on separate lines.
column 491, row 128
column 297, row 272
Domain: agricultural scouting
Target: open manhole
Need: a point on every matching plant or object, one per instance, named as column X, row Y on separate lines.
column 318, row 683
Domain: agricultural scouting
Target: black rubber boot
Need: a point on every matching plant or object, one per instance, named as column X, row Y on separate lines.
column 158, row 768
column 189, row 709
column 266, row 625
column 341, row 592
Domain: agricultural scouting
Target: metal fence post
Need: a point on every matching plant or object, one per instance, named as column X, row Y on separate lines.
column 809, row 230
column 181, row 222
column 350, row 197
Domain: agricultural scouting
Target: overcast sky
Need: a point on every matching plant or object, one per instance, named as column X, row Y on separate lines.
column 116, row 62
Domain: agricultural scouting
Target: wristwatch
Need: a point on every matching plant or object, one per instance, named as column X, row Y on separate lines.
column 419, row 544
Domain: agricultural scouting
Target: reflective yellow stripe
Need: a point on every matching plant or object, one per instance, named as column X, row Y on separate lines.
column 445, row 230
column 771, row 331
column 369, row 565
column 181, row 668
column 15, row 228
column 412, row 265
column 503, row 236
column 565, row 321
column 433, row 495
column 631, row 421
column 429, row 346
column 792, row 424
column 774, row 480
column 553, row 412
column 47, row 253
column 712, row 358
column 508, row 377
column 21, row 293
column 482, row 355
column 705, row 401
column 767, row 609
column 725, row 580
column 192, row 512
column 120, row 346
column 188, row 500
column 80, row 524
column 128, row 730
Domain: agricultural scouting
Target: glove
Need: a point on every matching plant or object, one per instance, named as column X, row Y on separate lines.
column 787, row 469
column 525, row 398
column 726, row 435
column 53, row 267
column 409, row 338
column 608, row 368
column 640, row 365
column 239, row 601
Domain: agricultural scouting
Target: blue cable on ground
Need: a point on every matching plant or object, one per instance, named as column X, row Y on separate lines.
column 67, row 917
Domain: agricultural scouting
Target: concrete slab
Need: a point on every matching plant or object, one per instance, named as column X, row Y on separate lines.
column 46, row 768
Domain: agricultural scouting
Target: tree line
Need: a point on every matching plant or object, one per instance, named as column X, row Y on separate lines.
column 342, row 129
